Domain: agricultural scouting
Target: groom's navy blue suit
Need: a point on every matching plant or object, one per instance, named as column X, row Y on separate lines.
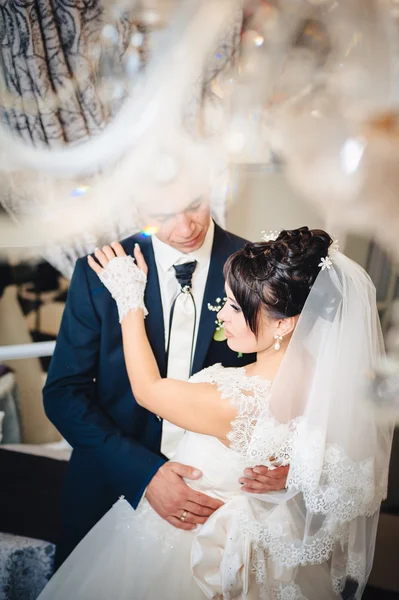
column 116, row 443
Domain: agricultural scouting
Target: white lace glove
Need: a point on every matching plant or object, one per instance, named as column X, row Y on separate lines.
column 126, row 283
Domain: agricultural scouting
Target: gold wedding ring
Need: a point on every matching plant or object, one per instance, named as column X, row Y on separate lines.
column 184, row 515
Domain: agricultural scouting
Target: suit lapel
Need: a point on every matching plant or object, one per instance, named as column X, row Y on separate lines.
column 214, row 289
column 154, row 321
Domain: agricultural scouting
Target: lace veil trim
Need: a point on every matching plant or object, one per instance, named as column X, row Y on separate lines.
column 340, row 495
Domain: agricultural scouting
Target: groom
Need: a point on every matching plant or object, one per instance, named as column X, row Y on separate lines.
column 119, row 448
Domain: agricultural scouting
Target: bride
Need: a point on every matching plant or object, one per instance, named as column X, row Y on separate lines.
column 310, row 314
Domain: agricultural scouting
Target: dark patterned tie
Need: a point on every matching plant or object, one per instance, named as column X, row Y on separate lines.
column 184, row 273
column 182, row 325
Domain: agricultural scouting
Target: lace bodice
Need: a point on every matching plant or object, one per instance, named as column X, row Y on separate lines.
column 248, row 394
column 339, row 486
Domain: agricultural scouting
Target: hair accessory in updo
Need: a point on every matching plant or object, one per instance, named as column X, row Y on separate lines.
column 277, row 273
column 327, row 261
column 271, row 236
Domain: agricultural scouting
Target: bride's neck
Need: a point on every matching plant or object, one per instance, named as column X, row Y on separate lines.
column 268, row 362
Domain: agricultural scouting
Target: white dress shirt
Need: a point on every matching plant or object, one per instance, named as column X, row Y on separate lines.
column 165, row 258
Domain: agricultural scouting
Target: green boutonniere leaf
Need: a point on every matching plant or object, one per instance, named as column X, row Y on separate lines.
column 219, row 335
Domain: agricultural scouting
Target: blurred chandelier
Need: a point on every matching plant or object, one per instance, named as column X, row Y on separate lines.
column 139, row 94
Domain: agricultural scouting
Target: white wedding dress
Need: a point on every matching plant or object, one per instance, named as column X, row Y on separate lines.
column 136, row 555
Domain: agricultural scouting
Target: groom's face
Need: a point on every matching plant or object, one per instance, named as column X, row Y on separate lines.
column 186, row 229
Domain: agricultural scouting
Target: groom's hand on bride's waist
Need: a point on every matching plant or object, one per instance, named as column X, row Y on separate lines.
column 261, row 480
column 175, row 501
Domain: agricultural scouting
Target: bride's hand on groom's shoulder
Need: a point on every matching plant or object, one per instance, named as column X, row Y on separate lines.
column 123, row 276
column 261, row 480
column 114, row 250
column 175, row 501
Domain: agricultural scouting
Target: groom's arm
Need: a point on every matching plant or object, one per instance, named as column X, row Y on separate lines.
column 70, row 398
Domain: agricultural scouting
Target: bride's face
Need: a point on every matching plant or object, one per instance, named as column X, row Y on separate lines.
column 239, row 336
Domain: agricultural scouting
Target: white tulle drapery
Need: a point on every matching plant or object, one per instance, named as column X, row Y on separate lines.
column 317, row 421
column 89, row 143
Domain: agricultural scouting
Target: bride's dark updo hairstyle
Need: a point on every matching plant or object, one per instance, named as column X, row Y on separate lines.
column 276, row 275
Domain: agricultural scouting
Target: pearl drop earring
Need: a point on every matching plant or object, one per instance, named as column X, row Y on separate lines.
column 278, row 338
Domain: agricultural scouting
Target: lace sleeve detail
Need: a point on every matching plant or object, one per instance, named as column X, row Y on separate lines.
column 247, row 394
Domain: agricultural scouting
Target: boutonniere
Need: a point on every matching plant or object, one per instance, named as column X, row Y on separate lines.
column 219, row 334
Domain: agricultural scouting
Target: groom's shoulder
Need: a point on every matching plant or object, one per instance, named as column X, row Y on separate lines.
column 228, row 240
column 83, row 272
column 128, row 243
column 140, row 238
